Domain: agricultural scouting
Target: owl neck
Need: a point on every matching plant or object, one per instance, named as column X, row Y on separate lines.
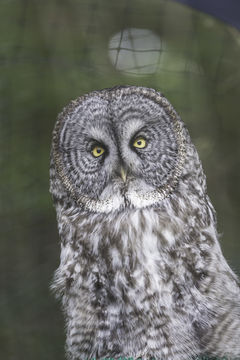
column 150, row 240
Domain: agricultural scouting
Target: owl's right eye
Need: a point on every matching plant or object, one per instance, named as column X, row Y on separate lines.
column 140, row 143
column 98, row 150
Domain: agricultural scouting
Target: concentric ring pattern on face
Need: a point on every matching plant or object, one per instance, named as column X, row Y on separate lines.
column 112, row 120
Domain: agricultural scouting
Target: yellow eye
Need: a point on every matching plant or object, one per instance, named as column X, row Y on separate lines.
column 140, row 143
column 98, row 151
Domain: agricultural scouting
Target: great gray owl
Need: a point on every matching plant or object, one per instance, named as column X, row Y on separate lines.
column 141, row 274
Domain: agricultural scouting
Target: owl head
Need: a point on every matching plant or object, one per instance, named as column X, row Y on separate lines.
column 120, row 147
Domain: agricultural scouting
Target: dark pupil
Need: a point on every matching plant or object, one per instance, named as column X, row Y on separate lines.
column 139, row 142
column 99, row 150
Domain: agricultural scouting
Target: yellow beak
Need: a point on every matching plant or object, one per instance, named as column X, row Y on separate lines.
column 123, row 174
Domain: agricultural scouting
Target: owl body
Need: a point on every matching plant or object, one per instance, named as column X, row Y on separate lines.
column 141, row 272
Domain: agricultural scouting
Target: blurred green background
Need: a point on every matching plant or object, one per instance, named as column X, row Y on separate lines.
column 53, row 51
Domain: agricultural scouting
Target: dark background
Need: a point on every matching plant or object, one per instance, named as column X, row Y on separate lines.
column 54, row 51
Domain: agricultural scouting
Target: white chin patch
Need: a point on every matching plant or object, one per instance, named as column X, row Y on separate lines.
column 141, row 200
column 137, row 194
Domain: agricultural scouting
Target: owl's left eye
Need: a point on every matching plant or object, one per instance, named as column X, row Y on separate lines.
column 140, row 142
column 98, row 151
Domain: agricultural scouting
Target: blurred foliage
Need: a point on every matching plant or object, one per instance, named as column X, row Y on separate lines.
column 53, row 51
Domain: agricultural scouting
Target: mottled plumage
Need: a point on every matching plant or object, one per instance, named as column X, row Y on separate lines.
column 141, row 271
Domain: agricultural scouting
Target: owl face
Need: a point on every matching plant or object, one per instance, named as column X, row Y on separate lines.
column 119, row 147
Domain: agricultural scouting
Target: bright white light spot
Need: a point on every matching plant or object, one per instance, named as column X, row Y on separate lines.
column 136, row 51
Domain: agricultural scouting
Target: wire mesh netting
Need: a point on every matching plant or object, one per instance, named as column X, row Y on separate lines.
column 53, row 51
